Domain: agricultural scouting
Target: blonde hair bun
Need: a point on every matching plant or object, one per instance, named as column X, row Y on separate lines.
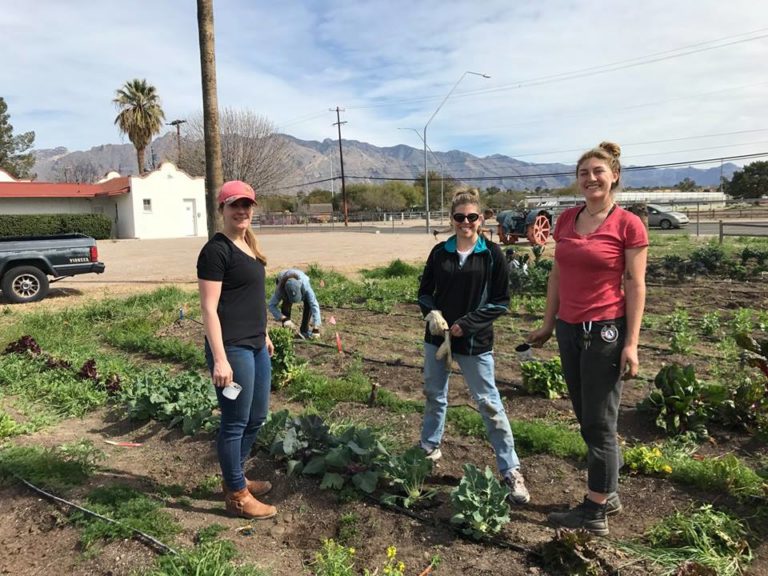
column 611, row 148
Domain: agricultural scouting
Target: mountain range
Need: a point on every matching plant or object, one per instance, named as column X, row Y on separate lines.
column 312, row 161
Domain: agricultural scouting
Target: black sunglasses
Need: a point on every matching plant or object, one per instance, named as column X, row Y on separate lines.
column 472, row 217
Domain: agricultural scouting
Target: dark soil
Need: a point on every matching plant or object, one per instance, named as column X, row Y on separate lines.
column 35, row 538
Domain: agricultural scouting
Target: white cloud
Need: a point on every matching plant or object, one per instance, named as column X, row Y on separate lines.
column 391, row 63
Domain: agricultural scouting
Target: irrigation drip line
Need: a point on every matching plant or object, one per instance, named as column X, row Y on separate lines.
column 494, row 541
column 142, row 537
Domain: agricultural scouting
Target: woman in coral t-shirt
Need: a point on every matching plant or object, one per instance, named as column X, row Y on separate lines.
column 595, row 300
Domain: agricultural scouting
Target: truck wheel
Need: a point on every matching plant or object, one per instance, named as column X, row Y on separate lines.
column 24, row 284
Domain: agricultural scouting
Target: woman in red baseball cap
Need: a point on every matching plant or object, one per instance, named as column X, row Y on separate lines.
column 230, row 272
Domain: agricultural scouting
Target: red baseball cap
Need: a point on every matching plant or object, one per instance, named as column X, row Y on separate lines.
column 235, row 190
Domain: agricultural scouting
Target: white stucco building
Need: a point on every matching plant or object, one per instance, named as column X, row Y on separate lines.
column 165, row 203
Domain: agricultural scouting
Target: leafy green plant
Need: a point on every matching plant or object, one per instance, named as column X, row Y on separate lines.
column 47, row 468
column 409, row 472
column 285, row 364
column 682, row 339
column 703, row 536
column 646, row 460
column 210, row 557
column 395, row 269
column 355, row 456
column 84, row 453
column 480, row 503
column 544, row 378
column 710, row 324
column 334, row 560
column 274, row 424
column 132, row 509
column 302, row 438
column 185, row 399
column 680, row 401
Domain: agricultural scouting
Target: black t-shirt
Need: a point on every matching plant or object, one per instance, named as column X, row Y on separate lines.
column 242, row 306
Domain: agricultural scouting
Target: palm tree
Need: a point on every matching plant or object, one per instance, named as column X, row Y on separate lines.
column 140, row 116
column 214, row 174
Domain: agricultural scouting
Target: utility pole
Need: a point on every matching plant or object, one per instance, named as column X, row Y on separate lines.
column 177, row 124
column 341, row 161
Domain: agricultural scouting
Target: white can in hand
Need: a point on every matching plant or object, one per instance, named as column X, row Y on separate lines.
column 231, row 390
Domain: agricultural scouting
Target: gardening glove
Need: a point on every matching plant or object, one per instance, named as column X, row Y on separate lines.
column 287, row 323
column 436, row 322
column 444, row 351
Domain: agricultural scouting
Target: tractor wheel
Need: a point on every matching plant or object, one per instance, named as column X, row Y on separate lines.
column 538, row 231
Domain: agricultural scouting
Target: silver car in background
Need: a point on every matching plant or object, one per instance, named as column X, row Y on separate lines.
column 665, row 219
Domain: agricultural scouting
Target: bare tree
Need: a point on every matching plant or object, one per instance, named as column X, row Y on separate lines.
column 78, row 170
column 251, row 150
column 213, row 173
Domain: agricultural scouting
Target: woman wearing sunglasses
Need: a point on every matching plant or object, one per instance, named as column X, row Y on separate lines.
column 230, row 272
column 595, row 299
column 464, row 288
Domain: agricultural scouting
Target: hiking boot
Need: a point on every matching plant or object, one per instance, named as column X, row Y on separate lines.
column 518, row 493
column 243, row 504
column 588, row 515
column 613, row 504
column 255, row 487
column 433, row 454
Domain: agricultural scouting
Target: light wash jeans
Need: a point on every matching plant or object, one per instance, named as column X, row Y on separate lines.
column 242, row 417
column 479, row 375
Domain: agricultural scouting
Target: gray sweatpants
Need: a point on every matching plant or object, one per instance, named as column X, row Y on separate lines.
column 590, row 358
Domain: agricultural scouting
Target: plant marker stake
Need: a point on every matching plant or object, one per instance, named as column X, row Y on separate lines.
column 332, row 320
column 127, row 444
column 338, row 343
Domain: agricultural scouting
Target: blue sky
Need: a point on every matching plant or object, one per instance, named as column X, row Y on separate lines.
column 669, row 81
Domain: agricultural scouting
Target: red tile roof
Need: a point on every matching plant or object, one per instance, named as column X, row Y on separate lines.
column 113, row 187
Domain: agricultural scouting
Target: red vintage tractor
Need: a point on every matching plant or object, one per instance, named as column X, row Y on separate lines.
column 534, row 224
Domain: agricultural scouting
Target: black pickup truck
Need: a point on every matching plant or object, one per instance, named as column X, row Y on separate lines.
column 26, row 262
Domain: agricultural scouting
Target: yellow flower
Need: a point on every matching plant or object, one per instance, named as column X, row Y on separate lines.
column 391, row 552
column 667, row 469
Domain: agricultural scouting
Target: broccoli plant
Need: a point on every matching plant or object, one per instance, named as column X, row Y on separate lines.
column 480, row 503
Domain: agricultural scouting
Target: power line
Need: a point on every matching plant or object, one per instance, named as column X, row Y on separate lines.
column 547, row 174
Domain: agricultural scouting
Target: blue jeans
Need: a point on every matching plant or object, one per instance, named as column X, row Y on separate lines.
column 479, row 375
column 242, row 417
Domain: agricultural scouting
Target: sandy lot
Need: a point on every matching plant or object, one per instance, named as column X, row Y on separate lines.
column 139, row 265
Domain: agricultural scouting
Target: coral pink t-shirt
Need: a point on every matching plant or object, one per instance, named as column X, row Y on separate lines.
column 592, row 266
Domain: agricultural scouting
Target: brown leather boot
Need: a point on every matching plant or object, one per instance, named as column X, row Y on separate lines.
column 255, row 487
column 243, row 504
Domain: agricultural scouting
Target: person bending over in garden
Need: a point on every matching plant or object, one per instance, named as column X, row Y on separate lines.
column 595, row 299
column 464, row 288
column 292, row 286
column 230, row 272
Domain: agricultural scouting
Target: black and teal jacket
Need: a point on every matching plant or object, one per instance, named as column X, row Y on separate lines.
column 472, row 295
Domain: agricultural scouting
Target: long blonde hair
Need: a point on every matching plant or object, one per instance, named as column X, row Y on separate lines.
column 608, row 152
column 251, row 241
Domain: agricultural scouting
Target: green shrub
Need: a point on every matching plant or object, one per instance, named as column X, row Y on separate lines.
column 96, row 225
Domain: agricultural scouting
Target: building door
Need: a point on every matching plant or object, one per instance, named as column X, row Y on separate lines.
column 190, row 217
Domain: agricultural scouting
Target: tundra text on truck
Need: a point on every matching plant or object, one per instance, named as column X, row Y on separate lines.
column 26, row 263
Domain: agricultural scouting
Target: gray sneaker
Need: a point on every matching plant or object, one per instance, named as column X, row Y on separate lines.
column 613, row 504
column 518, row 493
column 433, row 454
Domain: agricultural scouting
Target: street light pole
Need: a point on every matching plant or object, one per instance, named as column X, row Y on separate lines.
column 426, row 166
column 442, row 171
